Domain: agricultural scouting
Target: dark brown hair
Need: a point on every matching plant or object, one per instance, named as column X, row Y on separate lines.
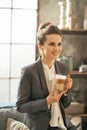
column 46, row 28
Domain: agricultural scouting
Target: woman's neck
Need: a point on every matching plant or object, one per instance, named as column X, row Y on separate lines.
column 48, row 62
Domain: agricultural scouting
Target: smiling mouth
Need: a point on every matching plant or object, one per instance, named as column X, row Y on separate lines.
column 55, row 53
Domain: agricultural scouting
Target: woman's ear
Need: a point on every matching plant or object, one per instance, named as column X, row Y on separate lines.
column 39, row 46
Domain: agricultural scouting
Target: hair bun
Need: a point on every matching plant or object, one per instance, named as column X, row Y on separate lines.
column 43, row 25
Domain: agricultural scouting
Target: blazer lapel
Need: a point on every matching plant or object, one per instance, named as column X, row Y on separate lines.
column 42, row 77
column 57, row 68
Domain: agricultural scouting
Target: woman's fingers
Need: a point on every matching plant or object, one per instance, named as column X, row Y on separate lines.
column 53, row 92
column 69, row 82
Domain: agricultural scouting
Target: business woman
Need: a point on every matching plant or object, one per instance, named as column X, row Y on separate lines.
column 37, row 93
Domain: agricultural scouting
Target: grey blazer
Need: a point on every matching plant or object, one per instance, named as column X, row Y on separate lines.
column 32, row 93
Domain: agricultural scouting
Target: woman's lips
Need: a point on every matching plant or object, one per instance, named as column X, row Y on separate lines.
column 55, row 53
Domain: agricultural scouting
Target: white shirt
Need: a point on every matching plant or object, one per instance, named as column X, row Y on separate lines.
column 56, row 116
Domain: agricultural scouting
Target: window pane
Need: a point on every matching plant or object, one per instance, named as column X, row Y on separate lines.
column 4, row 58
column 18, row 24
column 4, row 90
column 25, row 4
column 5, row 23
column 22, row 55
column 5, row 3
column 14, row 89
column 24, row 26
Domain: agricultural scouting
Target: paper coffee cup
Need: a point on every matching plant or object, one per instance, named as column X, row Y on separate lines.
column 60, row 82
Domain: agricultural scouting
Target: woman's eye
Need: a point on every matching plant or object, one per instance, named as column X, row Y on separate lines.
column 59, row 44
column 51, row 44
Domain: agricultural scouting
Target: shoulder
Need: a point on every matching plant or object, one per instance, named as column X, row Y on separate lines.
column 63, row 67
column 32, row 67
column 28, row 71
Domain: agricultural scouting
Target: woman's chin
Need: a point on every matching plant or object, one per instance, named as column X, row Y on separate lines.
column 54, row 58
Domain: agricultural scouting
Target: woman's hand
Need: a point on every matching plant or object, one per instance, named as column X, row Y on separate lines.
column 53, row 97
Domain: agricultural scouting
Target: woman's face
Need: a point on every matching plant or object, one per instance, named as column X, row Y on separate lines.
column 52, row 47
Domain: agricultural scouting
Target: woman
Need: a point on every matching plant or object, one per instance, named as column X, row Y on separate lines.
column 37, row 93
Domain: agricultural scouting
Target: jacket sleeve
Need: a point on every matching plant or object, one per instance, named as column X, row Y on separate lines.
column 66, row 99
column 25, row 103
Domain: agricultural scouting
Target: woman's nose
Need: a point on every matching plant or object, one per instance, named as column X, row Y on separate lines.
column 56, row 47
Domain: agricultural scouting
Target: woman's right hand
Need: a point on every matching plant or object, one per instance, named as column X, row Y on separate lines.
column 53, row 97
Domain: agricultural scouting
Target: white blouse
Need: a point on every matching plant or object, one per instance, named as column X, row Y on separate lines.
column 56, row 116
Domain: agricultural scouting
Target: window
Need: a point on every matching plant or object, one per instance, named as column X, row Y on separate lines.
column 18, row 23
